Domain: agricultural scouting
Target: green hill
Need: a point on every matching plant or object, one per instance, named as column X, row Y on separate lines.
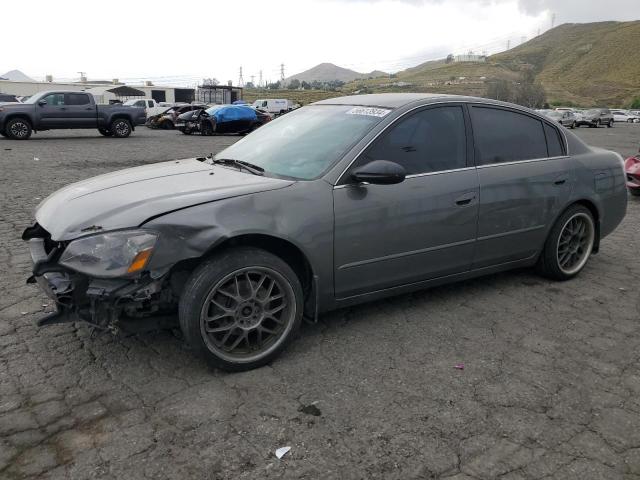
column 591, row 64
column 584, row 64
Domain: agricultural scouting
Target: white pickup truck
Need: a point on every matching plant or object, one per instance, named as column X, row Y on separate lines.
column 150, row 106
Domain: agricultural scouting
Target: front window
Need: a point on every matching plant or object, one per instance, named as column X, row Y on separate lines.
column 307, row 142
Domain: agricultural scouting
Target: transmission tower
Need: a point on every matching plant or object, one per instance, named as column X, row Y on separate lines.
column 240, row 79
column 260, row 83
column 282, row 73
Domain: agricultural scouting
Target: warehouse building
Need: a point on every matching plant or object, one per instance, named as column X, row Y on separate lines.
column 106, row 92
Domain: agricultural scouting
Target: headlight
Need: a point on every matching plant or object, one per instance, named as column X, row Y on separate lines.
column 108, row 255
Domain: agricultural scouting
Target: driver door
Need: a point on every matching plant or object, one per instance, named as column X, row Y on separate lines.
column 423, row 228
column 53, row 113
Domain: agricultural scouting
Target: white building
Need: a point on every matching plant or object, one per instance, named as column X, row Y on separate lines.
column 469, row 57
column 101, row 90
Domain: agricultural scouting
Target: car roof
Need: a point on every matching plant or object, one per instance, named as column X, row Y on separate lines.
column 397, row 100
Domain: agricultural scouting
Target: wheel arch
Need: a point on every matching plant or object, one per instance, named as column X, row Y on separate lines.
column 284, row 249
column 22, row 115
column 595, row 212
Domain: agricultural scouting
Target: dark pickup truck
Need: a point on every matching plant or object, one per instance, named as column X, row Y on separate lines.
column 57, row 110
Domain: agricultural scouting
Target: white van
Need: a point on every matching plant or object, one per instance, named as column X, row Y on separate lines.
column 277, row 106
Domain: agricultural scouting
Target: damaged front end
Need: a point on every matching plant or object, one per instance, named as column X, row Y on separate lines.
column 101, row 279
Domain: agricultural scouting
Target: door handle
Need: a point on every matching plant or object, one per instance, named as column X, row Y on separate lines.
column 465, row 199
column 560, row 181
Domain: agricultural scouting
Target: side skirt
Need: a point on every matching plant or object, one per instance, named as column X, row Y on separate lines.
column 434, row 282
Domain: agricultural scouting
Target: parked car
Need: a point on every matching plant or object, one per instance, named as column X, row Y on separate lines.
column 167, row 119
column 565, row 118
column 624, row 116
column 340, row 202
column 632, row 169
column 60, row 109
column 596, row 117
column 275, row 106
column 151, row 107
column 8, row 98
column 220, row 119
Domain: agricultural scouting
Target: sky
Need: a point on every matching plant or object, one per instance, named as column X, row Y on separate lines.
column 177, row 43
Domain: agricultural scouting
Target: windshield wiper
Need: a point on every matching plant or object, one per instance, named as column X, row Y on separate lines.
column 249, row 167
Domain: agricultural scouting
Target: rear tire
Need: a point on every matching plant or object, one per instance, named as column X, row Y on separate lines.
column 610, row 124
column 121, row 128
column 18, row 129
column 105, row 132
column 573, row 125
column 569, row 244
column 240, row 308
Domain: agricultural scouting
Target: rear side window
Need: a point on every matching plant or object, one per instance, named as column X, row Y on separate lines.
column 150, row 103
column 506, row 136
column 76, row 99
column 554, row 142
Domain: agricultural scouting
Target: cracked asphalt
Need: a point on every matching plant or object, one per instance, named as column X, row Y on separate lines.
column 550, row 386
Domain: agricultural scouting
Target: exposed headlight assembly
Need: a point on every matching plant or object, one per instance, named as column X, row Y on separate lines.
column 114, row 254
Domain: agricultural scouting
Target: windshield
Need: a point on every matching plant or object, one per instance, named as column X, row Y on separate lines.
column 35, row 98
column 306, row 142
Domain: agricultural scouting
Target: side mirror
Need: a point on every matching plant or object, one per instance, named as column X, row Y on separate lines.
column 380, row 172
column 42, row 103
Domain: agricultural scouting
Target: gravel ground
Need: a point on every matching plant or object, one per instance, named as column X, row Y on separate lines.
column 550, row 386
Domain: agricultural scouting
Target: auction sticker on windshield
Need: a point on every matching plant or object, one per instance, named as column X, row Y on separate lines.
column 370, row 111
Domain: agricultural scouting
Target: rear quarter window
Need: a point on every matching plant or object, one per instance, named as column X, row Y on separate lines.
column 506, row 136
column 554, row 141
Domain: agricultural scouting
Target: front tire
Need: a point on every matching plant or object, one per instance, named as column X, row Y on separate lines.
column 241, row 308
column 18, row 129
column 121, row 128
column 610, row 124
column 569, row 244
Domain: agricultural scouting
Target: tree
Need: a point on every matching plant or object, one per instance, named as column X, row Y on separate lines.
column 449, row 58
column 249, row 85
column 306, row 85
column 274, row 86
column 500, row 90
column 635, row 104
column 294, row 84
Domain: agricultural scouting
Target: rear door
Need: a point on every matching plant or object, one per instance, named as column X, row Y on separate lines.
column 525, row 179
column 422, row 228
column 80, row 111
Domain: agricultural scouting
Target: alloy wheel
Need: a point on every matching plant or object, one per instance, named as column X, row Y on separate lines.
column 575, row 243
column 19, row 129
column 122, row 128
column 247, row 314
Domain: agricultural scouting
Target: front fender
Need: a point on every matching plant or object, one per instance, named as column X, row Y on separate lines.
column 301, row 214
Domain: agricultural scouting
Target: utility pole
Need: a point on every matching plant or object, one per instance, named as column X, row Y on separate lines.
column 509, row 44
column 260, row 82
column 553, row 19
column 240, row 79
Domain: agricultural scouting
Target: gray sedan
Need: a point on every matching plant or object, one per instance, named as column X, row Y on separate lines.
column 341, row 202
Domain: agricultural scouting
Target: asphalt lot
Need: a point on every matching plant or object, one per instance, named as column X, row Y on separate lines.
column 550, row 386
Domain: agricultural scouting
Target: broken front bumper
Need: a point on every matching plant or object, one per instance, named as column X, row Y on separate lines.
column 103, row 303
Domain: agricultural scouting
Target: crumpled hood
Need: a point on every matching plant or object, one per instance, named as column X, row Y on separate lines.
column 127, row 198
